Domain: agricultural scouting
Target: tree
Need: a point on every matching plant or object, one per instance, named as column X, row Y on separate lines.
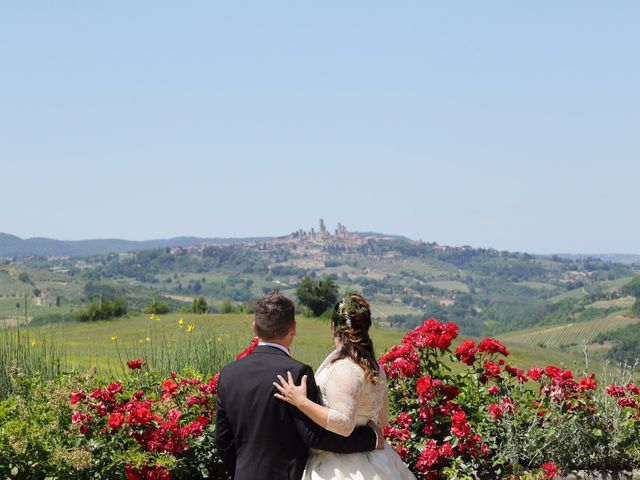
column 633, row 288
column 158, row 306
column 317, row 295
column 227, row 306
column 24, row 277
column 199, row 305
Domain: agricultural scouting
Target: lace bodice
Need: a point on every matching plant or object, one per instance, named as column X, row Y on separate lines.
column 352, row 400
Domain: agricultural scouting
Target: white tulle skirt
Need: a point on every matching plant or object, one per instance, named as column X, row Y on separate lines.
column 376, row 465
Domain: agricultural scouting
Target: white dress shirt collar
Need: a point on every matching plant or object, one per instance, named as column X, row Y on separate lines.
column 276, row 345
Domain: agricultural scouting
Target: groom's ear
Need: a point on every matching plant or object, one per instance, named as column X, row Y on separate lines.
column 255, row 330
column 293, row 329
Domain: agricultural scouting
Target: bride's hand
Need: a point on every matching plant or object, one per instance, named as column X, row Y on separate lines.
column 289, row 391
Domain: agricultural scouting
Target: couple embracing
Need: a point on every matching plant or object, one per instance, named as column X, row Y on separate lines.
column 277, row 421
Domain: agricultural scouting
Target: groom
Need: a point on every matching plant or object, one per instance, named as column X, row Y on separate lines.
column 258, row 436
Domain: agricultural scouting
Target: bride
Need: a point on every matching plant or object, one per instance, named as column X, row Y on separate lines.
column 354, row 391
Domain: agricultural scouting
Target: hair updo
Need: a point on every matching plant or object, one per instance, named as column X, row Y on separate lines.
column 351, row 321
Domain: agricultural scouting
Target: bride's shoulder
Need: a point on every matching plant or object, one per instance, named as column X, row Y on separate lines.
column 349, row 367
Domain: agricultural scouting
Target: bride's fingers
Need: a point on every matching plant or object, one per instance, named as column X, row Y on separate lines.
column 279, row 387
column 280, row 397
column 290, row 379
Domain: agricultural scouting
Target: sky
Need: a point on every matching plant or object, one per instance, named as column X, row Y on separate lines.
column 512, row 125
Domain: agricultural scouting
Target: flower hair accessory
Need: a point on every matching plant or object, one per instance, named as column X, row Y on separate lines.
column 350, row 308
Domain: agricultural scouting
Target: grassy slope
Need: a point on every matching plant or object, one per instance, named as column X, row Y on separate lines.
column 91, row 344
column 88, row 345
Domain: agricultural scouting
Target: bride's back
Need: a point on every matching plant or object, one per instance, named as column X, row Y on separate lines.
column 352, row 399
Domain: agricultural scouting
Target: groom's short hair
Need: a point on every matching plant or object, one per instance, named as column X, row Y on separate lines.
column 275, row 315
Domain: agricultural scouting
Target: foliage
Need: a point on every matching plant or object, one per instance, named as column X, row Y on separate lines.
column 96, row 290
column 104, row 309
column 24, row 277
column 199, row 305
column 633, row 287
column 317, row 295
column 158, row 307
column 227, row 307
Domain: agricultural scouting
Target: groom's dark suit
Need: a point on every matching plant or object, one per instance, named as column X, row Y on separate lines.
column 262, row 438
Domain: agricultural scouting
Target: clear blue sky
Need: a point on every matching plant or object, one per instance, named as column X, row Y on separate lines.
column 503, row 124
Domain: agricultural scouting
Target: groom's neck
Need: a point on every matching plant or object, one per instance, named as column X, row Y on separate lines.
column 285, row 342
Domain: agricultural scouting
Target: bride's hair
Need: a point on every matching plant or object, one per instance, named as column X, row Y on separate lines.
column 351, row 320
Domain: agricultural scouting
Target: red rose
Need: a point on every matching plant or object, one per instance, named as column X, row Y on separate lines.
column 587, row 383
column 404, row 419
column 136, row 364
column 492, row 369
column 466, row 351
column 459, row 425
column 491, row 345
column 550, row 470
column 495, row 411
column 535, row 373
column 423, row 386
column 115, row 420
column 169, row 388
column 77, row 396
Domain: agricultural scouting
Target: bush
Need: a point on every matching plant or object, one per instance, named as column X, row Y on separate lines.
column 227, row 307
column 158, row 307
column 470, row 413
column 199, row 305
column 102, row 310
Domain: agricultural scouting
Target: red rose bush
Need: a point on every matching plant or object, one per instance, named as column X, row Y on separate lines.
column 150, row 429
column 465, row 412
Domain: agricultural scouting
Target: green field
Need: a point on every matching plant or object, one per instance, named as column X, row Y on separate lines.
column 90, row 344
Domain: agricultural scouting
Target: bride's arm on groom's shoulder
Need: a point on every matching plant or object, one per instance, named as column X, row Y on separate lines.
column 362, row 439
column 299, row 397
column 343, row 394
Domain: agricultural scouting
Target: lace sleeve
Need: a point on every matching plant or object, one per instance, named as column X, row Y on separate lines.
column 383, row 416
column 343, row 389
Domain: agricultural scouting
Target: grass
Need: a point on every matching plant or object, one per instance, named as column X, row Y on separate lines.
column 582, row 291
column 451, row 285
column 623, row 302
column 90, row 344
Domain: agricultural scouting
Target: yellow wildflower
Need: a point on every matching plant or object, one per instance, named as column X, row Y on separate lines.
column 189, row 328
column 148, row 339
column 114, row 337
column 181, row 323
column 218, row 339
column 33, row 342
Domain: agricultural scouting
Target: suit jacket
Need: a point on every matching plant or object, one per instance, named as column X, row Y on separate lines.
column 262, row 438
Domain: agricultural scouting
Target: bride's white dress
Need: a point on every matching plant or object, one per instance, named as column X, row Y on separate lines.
column 353, row 401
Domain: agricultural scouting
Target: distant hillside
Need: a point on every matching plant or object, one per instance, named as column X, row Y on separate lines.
column 605, row 257
column 12, row 246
